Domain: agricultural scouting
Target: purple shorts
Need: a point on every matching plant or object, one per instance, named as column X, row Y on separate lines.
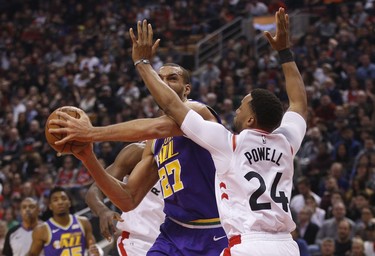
column 177, row 240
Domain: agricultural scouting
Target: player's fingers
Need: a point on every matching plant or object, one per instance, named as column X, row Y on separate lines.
column 81, row 112
column 144, row 31
column 269, row 37
column 287, row 22
column 60, row 130
column 150, row 34
column 63, row 140
column 117, row 217
column 139, row 31
column 104, row 229
column 132, row 36
column 59, row 122
column 64, row 115
column 155, row 47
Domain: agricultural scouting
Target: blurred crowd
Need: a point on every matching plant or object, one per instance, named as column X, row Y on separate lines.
column 56, row 53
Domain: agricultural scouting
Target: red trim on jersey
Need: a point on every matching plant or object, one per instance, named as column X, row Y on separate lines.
column 234, row 142
column 291, row 150
column 224, row 195
column 232, row 242
column 261, row 131
column 222, row 185
column 124, row 235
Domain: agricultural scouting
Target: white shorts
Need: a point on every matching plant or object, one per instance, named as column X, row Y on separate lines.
column 130, row 246
column 262, row 244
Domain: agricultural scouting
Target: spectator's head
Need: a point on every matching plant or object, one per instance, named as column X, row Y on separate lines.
column 303, row 186
column 367, row 214
column 361, row 200
column 343, row 231
column 310, row 202
column 339, row 211
column 358, row 247
column 330, row 183
column 327, row 247
column 304, row 216
column 370, row 231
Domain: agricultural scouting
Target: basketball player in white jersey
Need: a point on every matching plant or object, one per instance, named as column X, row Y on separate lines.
column 254, row 168
column 139, row 227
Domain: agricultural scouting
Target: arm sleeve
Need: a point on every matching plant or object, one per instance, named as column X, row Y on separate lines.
column 293, row 127
column 210, row 135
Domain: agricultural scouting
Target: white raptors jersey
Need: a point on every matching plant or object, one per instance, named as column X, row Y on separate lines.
column 254, row 172
column 144, row 221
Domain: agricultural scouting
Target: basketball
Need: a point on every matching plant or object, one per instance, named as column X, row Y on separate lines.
column 69, row 147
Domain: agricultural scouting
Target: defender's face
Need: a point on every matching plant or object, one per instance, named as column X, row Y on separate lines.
column 60, row 203
column 173, row 77
column 243, row 114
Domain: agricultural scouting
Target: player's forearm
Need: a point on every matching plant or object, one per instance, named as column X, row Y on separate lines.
column 295, row 88
column 114, row 189
column 94, row 199
column 164, row 96
column 135, row 130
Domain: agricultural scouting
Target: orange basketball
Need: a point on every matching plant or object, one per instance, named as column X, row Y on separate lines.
column 69, row 147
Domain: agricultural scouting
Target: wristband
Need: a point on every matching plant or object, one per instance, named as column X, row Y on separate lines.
column 144, row 61
column 285, row 56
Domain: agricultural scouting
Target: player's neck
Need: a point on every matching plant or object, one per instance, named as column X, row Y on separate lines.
column 62, row 220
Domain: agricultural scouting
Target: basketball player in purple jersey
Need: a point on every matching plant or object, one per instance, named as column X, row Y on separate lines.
column 63, row 233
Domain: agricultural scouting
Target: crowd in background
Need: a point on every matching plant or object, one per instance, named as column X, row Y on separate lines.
column 57, row 53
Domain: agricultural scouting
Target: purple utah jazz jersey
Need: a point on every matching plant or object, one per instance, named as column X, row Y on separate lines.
column 68, row 240
column 187, row 178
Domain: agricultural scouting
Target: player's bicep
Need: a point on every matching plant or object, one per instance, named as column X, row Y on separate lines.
column 38, row 239
column 144, row 175
column 293, row 127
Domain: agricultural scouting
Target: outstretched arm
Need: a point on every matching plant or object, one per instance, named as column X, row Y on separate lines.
column 136, row 130
column 294, row 84
column 124, row 163
column 143, row 47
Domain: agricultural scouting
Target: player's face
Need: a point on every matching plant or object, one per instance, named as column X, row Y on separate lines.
column 243, row 115
column 60, row 203
column 29, row 210
column 173, row 77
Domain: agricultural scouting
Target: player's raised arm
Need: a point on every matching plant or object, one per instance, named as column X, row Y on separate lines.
column 294, row 83
column 143, row 48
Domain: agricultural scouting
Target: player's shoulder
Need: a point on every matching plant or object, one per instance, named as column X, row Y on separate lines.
column 204, row 110
column 41, row 229
column 195, row 104
column 81, row 218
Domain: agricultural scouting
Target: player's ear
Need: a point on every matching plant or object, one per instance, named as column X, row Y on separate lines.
column 251, row 122
column 187, row 90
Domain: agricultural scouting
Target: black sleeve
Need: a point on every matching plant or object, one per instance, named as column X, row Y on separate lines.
column 7, row 250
